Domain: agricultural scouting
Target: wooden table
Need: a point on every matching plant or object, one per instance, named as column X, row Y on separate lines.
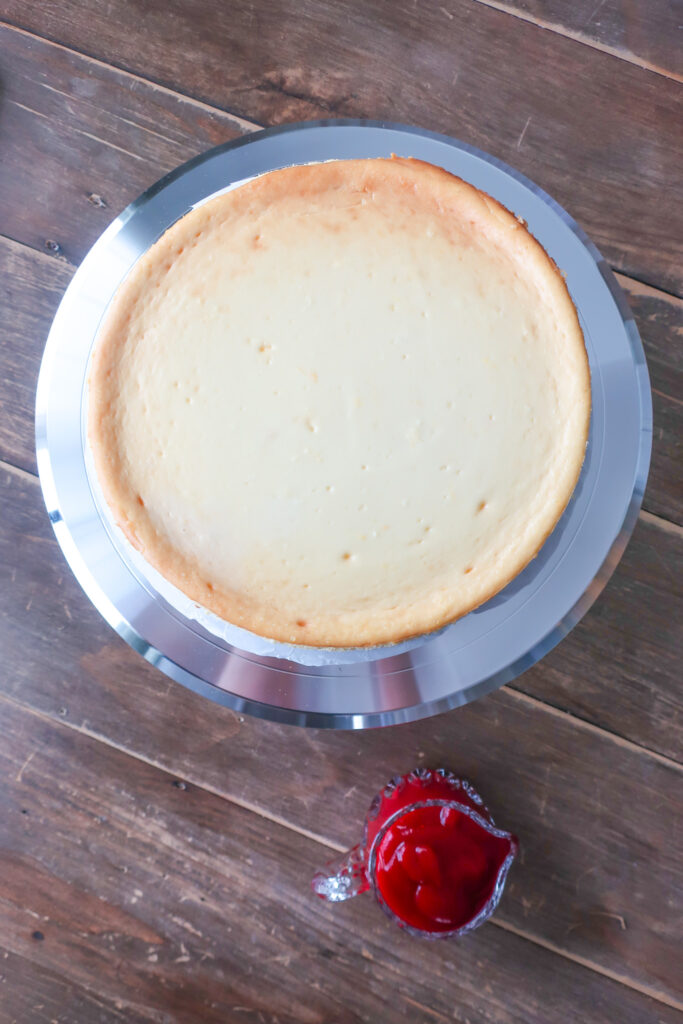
column 157, row 849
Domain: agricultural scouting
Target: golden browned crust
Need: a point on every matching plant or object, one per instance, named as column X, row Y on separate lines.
column 468, row 212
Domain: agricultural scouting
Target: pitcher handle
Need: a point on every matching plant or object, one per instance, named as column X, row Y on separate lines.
column 343, row 877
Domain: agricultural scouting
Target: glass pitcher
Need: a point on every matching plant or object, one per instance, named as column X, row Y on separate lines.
column 430, row 853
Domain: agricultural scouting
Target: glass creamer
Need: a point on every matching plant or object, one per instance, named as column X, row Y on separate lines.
column 430, row 853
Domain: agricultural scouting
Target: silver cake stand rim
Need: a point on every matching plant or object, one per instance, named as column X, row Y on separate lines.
column 393, row 715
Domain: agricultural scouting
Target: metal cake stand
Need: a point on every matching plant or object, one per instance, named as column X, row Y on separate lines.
column 482, row 651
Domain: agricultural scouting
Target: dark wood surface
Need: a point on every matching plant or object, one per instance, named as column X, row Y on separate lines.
column 646, row 33
column 156, row 850
column 596, row 131
column 198, row 908
column 592, row 807
column 70, row 165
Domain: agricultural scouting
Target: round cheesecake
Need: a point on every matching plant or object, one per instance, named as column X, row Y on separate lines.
column 341, row 405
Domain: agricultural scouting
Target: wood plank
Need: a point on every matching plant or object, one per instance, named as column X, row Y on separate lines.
column 175, row 905
column 80, row 141
column 600, row 874
column 630, row 646
column 645, row 33
column 660, row 322
column 600, row 135
column 33, row 994
column 31, row 285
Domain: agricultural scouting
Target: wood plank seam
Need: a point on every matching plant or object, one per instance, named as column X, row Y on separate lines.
column 242, row 123
column 26, row 474
column 646, row 287
column 336, row 847
column 661, row 523
column 606, row 971
column 48, row 257
column 620, row 741
column 83, row 730
column 577, row 37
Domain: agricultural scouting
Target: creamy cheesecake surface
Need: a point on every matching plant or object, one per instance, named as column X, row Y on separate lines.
column 343, row 404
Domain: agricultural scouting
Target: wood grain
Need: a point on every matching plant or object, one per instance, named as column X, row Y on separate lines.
column 31, row 286
column 660, row 322
column 33, row 993
column 80, row 141
column 156, row 850
column 646, row 33
column 620, row 667
column 168, row 901
column 597, row 133
column 597, row 816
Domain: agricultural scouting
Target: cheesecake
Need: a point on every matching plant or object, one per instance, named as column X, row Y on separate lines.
column 340, row 405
